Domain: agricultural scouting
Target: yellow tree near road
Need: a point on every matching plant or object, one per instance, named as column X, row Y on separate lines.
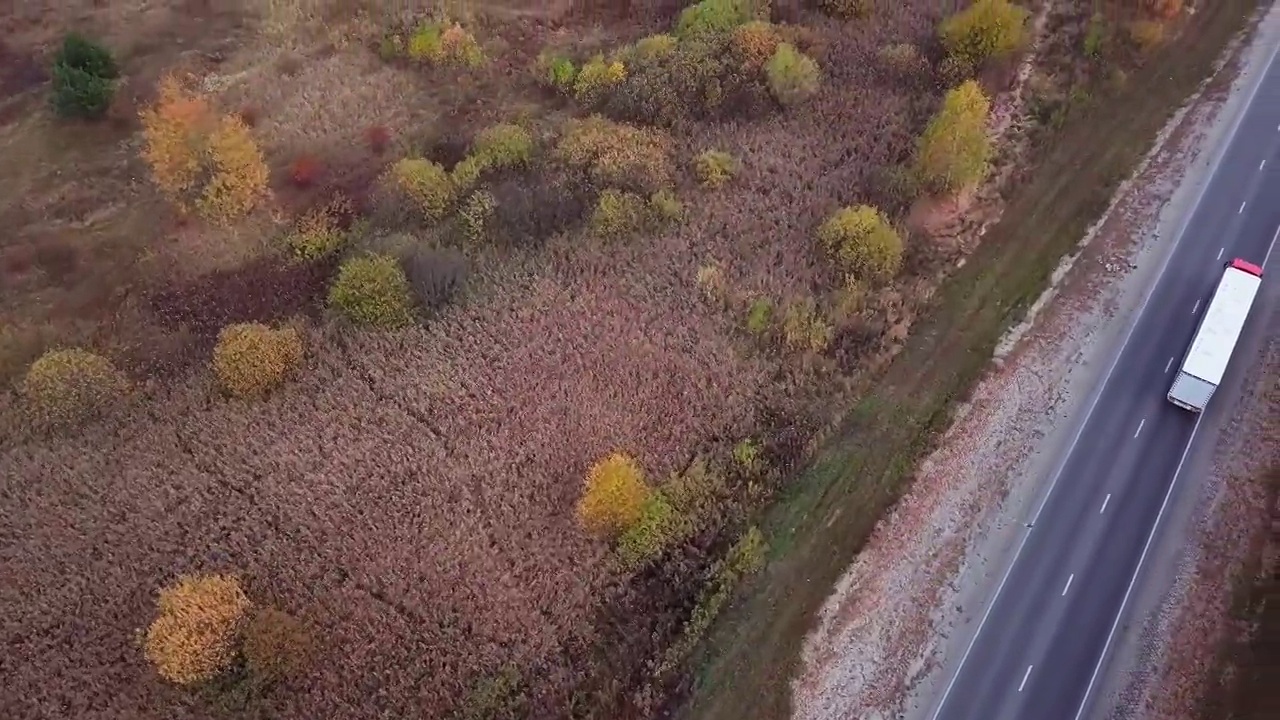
column 954, row 153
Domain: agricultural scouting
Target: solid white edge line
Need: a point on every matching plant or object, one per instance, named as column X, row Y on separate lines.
column 1182, row 231
column 1084, row 702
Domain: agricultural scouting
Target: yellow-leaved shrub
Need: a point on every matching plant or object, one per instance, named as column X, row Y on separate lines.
column 614, row 495
column 862, row 242
column 195, row 634
column 69, row 385
column 252, row 359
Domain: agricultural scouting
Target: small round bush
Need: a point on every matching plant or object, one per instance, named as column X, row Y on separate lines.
column 597, row 79
column 84, row 78
column 66, row 386
column 372, row 290
column 617, row 214
column 614, row 495
column 863, row 242
column 754, row 43
column 503, row 145
column 251, row 359
column 426, row 184
column 194, row 636
column 715, row 167
column 986, row 29
column 793, row 76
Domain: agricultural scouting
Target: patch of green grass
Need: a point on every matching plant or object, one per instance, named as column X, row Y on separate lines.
column 754, row 651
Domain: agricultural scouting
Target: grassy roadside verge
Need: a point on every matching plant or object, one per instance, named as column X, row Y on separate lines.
column 819, row 526
column 1246, row 670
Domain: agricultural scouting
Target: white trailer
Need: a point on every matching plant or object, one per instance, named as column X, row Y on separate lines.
column 1216, row 336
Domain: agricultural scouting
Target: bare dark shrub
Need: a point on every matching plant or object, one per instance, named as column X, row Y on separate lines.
column 436, row 275
column 529, row 211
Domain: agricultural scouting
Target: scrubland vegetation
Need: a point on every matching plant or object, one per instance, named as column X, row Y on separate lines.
column 372, row 359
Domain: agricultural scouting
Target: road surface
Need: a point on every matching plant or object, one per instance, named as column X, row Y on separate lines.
column 1039, row 649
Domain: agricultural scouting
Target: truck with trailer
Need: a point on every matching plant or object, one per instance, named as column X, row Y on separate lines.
column 1216, row 336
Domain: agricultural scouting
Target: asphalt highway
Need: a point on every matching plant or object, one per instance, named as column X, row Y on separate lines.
column 1038, row 651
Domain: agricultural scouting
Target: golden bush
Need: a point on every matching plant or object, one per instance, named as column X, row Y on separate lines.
column 793, row 76
column 238, row 173
column 66, row 386
column 861, row 240
column 426, row 184
column 251, row 359
column 195, row 634
column 199, row 159
column 174, row 131
column 754, row 43
column 986, row 29
column 597, row 78
column 614, row 495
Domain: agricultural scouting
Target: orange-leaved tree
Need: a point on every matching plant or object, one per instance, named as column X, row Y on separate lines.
column 614, row 496
column 199, row 159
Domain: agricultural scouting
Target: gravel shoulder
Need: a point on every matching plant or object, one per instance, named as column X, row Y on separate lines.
column 909, row 604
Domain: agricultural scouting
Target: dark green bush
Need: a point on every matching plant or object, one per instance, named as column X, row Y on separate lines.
column 84, row 78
